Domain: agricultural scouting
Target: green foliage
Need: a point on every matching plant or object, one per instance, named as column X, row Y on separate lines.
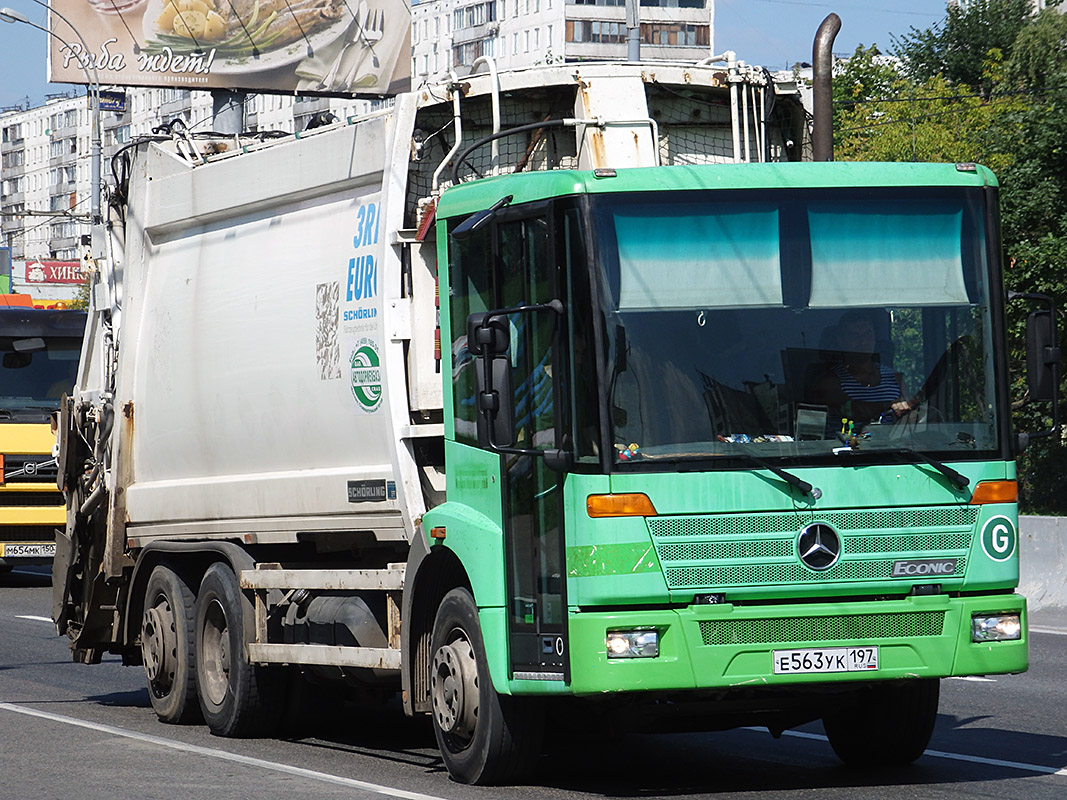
column 988, row 85
column 866, row 75
column 81, row 296
column 928, row 121
column 957, row 48
column 1039, row 56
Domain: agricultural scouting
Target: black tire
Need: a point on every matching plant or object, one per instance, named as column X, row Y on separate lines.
column 167, row 647
column 884, row 726
column 237, row 698
column 484, row 737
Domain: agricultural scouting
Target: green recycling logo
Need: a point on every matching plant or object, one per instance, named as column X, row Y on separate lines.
column 366, row 375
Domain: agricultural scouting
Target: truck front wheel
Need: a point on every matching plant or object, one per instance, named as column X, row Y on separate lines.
column 167, row 646
column 484, row 737
column 886, row 725
column 237, row 698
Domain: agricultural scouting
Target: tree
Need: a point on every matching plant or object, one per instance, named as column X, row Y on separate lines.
column 864, row 76
column 927, row 121
column 1039, row 56
column 988, row 85
column 957, row 48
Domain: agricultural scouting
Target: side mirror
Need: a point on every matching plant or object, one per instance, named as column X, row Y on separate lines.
column 487, row 334
column 1042, row 356
column 488, row 340
column 1042, row 362
column 496, row 417
column 479, row 219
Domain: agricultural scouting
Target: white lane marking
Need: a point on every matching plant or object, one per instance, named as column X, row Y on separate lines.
column 1055, row 631
column 974, row 678
column 222, row 755
column 993, row 762
column 35, row 619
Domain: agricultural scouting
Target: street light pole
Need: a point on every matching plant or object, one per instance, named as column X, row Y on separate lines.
column 633, row 30
column 85, row 62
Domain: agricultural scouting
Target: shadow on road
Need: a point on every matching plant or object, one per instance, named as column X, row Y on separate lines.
column 313, row 719
column 968, row 736
column 25, row 577
column 587, row 759
column 134, row 699
column 743, row 761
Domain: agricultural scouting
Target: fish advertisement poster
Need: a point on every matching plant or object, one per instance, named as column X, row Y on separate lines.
column 330, row 47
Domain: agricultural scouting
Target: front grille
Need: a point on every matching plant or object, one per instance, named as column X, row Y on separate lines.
column 701, row 551
column 727, row 551
column 36, row 499
column 30, row 469
column 28, row 533
column 849, row 628
column 745, row 524
column 764, row 573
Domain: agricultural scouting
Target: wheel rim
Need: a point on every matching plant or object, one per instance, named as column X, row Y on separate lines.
column 215, row 641
column 454, row 689
column 159, row 645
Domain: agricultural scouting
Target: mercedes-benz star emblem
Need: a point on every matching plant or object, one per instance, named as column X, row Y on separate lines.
column 819, row 546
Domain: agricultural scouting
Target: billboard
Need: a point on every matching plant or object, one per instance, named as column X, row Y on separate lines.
column 53, row 272
column 348, row 47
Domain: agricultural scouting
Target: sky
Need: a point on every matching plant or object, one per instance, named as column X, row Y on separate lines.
column 772, row 33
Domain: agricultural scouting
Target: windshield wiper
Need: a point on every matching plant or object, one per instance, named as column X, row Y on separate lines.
column 955, row 478
column 788, row 477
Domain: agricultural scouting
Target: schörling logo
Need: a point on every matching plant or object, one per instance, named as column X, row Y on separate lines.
column 366, row 375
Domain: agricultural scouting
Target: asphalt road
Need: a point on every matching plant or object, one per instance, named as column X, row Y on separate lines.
column 69, row 730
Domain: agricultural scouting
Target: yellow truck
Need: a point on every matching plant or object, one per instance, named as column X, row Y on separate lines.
column 39, row 352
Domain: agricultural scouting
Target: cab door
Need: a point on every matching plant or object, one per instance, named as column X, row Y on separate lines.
column 511, row 263
column 533, row 510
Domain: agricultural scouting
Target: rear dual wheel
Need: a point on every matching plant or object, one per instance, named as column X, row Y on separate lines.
column 484, row 737
column 167, row 646
column 237, row 698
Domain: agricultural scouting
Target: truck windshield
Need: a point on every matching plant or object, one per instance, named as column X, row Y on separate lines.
column 39, row 353
column 792, row 324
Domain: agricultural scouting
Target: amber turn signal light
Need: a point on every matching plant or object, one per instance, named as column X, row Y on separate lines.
column 995, row 492
column 619, row 505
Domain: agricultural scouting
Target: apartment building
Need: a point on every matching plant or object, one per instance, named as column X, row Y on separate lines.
column 453, row 34
column 45, row 150
column 45, row 177
column 45, row 173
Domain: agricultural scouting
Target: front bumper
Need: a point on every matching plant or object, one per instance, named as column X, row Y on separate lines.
column 723, row 646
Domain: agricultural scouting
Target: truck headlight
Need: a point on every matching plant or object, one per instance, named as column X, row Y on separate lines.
column 633, row 644
column 996, row 628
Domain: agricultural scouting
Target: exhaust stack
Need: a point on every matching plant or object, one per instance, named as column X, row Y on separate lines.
column 822, row 133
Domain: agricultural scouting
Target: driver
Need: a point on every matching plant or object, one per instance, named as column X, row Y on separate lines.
column 857, row 385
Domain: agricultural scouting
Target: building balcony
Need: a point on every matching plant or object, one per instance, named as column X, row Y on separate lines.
column 175, row 108
column 476, row 32
column 62, row 243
